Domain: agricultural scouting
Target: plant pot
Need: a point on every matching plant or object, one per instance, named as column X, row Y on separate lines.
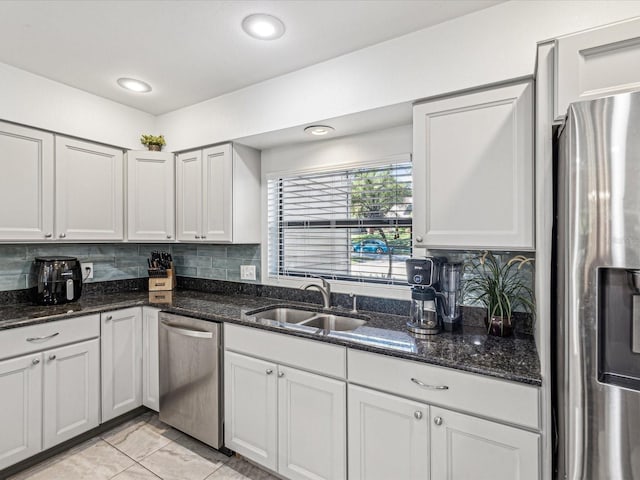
column 499, row 326
column 154, row 148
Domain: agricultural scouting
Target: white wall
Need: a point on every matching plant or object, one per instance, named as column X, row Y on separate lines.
column 488, row 46
column 344, row 151
column 39, row 102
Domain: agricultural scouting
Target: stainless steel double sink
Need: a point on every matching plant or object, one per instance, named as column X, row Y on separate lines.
column 308, row 318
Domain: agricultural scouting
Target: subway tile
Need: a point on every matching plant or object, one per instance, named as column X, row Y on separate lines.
column 219, row 262
column 71, row 250
column 234, row 263
column 184, row 249
column 116, row 249
column 13, row 252
column 13, row 282
column 186, row 271
column 192, row 261
column 244, row 251
column 131, row 261
column 12, row 266
column 212, row 273
column 219, row 251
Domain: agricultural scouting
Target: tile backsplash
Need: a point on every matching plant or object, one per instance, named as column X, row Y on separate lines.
column 129, row 260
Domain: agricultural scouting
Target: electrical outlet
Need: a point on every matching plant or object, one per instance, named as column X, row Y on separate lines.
column 87, row 270
column 247, row 272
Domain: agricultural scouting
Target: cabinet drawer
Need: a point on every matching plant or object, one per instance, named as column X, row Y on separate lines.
column 23, row 340
column 281, row 348
column 477, row 394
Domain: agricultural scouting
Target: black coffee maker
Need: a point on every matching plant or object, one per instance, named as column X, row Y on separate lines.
column 58, row 280
column 424, row 276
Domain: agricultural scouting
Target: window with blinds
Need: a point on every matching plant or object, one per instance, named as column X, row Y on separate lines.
column 350, row 224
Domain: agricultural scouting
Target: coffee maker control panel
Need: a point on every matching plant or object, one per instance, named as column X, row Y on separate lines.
column 421, row 272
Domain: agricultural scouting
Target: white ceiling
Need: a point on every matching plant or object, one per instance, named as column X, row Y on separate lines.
column 190, row 51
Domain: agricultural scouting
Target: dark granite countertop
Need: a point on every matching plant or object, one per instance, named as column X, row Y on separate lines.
column 472, row 350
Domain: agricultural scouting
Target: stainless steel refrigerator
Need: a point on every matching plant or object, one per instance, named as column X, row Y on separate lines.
column 597, row 250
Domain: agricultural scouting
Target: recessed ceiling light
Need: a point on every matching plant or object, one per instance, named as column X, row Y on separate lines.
column 134, row 85
column 263, row 26
column 319, row 130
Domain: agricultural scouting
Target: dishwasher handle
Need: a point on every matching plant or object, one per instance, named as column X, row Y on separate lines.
column 187, row 332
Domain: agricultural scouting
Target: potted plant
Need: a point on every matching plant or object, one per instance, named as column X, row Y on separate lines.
column 153, row 142
column 501, row 288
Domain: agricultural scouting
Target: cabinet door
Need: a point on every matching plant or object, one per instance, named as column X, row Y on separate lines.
column 150, row 196
column 71, row 391
column 311, row 426
column 218, row 193
column 20, row 408
column 121, row 352
column 189, row 196
column 89, row 191
column 150, row 363
column 596, row 63
column 464, row 447
column 473, row 170
column 27, row 192
column 388, row 437
column 250, row 399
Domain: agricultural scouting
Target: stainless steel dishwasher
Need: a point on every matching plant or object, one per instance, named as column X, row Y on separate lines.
column 190, row 377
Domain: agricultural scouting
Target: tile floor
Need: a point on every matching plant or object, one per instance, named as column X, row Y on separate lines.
column 143, row 449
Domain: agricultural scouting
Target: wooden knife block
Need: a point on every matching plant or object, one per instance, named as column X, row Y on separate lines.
column 163, row 283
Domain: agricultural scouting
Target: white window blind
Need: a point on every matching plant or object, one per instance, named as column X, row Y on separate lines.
column 350, row 224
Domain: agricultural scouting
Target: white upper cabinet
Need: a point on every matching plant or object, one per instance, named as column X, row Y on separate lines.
column 150, row 196
column 218, row 195
column 89, row 191
column 473, row 170
column 26, row 185
column 596, row 63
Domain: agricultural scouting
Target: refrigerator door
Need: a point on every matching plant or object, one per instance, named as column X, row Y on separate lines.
column 598, row 245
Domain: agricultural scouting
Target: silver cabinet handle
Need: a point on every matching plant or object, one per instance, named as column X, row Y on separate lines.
column 168, row 236
column 52, row 357
column 48, row 235
column 62, row 235
column 429, row 387
column 35, row 361
column 203, row 236
column 281, row 374
column 437, row 421
column 39, row 339
column 197, row 237
column 188, row 332
column 108, row 317
column 419, row 239
column 418, row 414
column 269, row 371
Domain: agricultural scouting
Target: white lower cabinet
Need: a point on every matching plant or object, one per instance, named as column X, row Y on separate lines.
column 401, row 434
column 150, row 360
column 388, row 436
column 121, row 353
column 286, row 419
column 250, row 398
column 50, row 385
column 464, row 447
column 71, row 391
column 311, row 425
column 20, row 408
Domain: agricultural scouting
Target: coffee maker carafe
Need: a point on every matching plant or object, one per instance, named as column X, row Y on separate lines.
column 423, row 274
